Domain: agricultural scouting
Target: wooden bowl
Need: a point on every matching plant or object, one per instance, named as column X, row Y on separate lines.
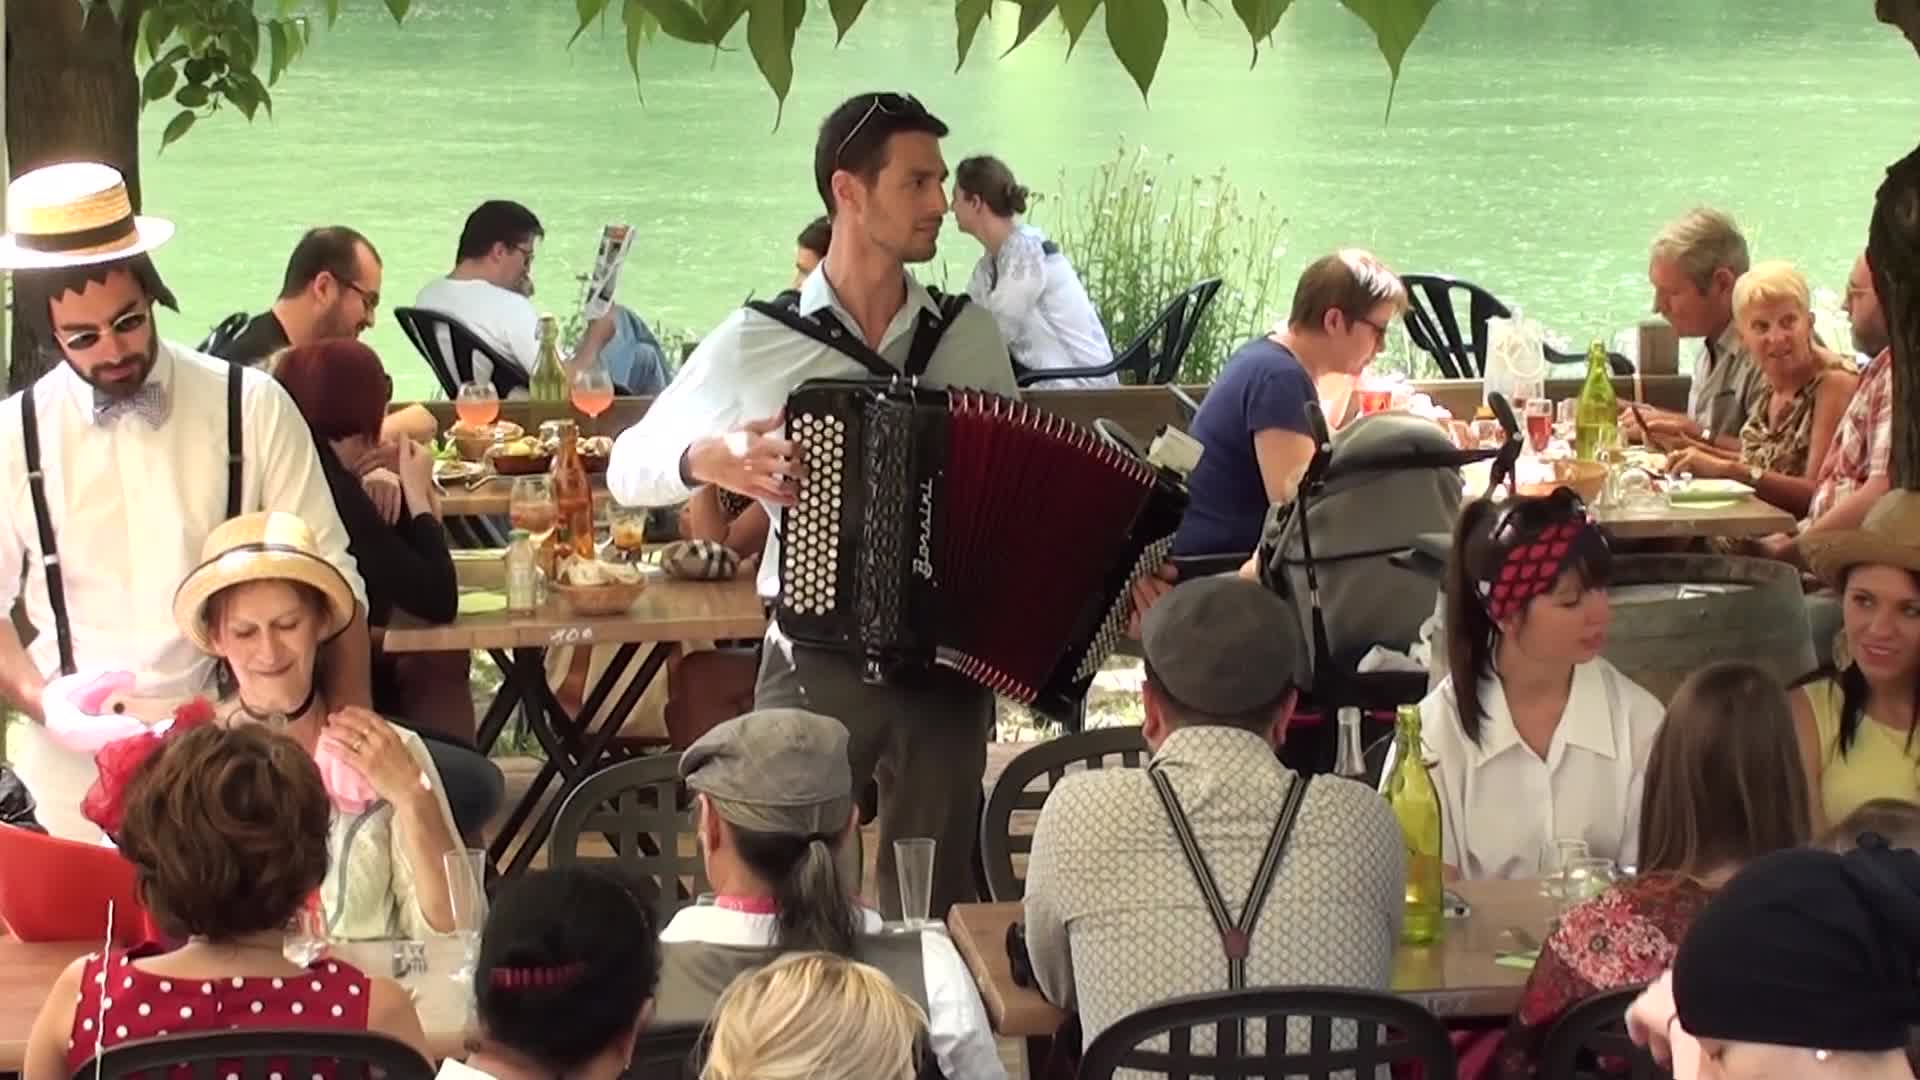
column 610, row 599
column 520, row 464
column 1586, row 478
column 594, row 463
column 472, row 446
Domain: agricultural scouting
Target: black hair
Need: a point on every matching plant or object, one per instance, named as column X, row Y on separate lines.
column 334, row 249
column 854, row 136
column 568, row 960
column 1258, row 719
column 1854, row 691
column 1472, row 635
column 815, row 903
column 817, row 236
column 497, row 221
column 34, row 292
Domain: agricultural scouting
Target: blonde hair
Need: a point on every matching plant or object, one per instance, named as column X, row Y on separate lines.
column 1769, row 283
column 1702, row 241
column 814, row 1016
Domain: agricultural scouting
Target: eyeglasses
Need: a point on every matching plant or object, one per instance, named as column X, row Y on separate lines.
column 131, row 323
column 526, row 252
column 1379, row 329
column 887, row 102
column 369, row 297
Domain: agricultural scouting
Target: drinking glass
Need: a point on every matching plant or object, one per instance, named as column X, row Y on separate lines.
column 1539, row 423
column 1565, row 412
column 592, row 391
column 628, row 528
column 530, row 506
column 467, row 894
column 1584, row 879
column 913, row 864
column 306, row 935
column 477, row 404
column 1555, row 861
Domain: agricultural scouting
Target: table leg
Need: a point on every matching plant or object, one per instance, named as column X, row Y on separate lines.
column 501, row 708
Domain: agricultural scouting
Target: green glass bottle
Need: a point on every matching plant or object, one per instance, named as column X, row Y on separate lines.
column 1416, row 806
column 549, row 385
column 1596, row 417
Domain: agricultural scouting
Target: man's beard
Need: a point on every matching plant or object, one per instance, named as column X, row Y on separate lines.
column 143, row 359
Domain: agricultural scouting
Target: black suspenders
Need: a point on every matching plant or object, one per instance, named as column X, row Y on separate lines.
column 43, row 520
column 824, row 327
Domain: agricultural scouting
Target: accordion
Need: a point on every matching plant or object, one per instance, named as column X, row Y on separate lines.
column 967, row 530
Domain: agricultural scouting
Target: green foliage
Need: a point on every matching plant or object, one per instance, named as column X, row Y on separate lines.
column 1140, row 236
column 204, row 54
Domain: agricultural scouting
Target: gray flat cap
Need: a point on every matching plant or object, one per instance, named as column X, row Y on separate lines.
column 775, row 770
column 1223, row 645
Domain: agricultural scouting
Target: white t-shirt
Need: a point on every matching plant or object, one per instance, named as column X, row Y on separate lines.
column 957, row 1025
column 501, row 317
column 1502, row 807
column 450, row 1069
column 1042, row 309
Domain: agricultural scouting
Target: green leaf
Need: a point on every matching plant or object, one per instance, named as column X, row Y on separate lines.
column 1395, row 23
column 845, row 14
column 279, row 49
column 157, row 28
column 180, row 124
column 192, row 96
column 1260, row 17
column 397, row 8
column 634, row 15
column 966, row 16
column 771, row 26
column 588, row 10
column 1033, row 15
column 333, row 13
column 722, row 16
column 1137, row 30
column 247, row 94
column 678, row 19
column 158, row 82
column 1075, row 15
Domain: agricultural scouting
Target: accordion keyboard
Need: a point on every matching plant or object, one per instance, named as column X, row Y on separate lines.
column 810, row 539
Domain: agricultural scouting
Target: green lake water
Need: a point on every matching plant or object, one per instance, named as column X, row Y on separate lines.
column 1535, row 145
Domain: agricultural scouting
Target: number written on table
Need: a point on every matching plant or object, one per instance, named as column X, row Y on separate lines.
column 571, row 635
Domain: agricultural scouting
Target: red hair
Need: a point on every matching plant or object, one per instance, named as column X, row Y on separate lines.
column 339, row 385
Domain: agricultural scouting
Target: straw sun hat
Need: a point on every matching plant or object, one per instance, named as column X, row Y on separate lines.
column 259, row 547
column 74, row 214
column 1890, row 536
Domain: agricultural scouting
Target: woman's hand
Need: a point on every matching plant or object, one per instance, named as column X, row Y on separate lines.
column 416, row 479
column 1700, row 463
column 369, row 744
column 383, row 487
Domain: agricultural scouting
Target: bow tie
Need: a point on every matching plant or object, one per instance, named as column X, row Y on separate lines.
column 149, row 403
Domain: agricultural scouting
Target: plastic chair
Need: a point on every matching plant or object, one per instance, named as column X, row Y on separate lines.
column 1051, row 760
column 1411, row 1034
column 669, row 1052
column 424, row 328
column 251, row 1054
column 1460, row 349
column 1154, row 356
column 645, row 813
column 223, row 333
column 1593, row 1032
column 58, row 890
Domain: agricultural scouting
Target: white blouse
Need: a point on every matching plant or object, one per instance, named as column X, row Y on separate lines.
column 1042, row 309
column 1502, row 807
column 369, row 890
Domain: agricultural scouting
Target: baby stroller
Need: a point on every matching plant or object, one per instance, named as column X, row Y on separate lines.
column 1337, row 553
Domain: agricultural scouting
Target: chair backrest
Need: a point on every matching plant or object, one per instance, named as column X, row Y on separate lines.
column 669, row 1052
column 1592, row 1037
column 58, row 890
column 1049, row 761
column 1435, row 326
column 1155, row 355
column 646, row 815
column 214, row 1056
column 449, row 346
column 223, row 333
column 1388, row 1030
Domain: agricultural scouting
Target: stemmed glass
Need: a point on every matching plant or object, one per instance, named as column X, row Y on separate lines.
column 477, row 404
column 467, row 895
column 592, row 390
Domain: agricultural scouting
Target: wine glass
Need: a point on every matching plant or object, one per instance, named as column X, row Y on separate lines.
column 530, row 506
column 592, row 391
column 1539, row 423
column 477, row 404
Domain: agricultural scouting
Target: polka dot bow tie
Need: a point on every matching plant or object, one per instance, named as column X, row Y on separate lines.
column 149, row 403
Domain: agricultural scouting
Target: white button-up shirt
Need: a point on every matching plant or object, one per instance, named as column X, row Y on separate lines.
column 1503, row 807
column 747, row 366
column 1042, row 309
column 131, row 505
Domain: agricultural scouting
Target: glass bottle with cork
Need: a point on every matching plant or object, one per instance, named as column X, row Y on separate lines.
column 1415, row 801
column 572, row 494
column 1596, row 417
column 547, row 391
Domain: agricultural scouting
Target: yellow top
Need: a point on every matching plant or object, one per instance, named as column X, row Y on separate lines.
column 1881, row 764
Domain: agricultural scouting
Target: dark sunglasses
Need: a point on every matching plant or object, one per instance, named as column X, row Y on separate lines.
column 131, row 323
column 886, row 102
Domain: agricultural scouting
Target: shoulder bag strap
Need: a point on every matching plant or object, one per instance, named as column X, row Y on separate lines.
column 234, row 443
column 928, row 329
column 827, row 330
column 43, row 521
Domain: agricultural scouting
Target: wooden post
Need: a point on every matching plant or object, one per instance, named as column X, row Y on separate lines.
column 1893, row 251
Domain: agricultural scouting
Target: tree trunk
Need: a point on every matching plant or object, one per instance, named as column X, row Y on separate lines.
column 1893, row 250
column 72, row 94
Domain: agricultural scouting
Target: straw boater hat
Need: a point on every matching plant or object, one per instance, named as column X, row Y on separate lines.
column 74, row 214
column 259, row 547
column 1889, row 537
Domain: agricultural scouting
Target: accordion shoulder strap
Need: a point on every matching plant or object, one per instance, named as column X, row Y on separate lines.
column 827, row 329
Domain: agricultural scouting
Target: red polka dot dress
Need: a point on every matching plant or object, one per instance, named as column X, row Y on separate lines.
column 120, row 1003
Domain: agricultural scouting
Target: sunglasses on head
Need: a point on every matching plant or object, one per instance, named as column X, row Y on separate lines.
column 1524, row 519
column 886, row 102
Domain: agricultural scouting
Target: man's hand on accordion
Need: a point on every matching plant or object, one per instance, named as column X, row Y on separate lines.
column 749, row 460
column 1147, row 590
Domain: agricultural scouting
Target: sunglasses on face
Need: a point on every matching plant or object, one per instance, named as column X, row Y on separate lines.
column 82, row 340
column 890, row 103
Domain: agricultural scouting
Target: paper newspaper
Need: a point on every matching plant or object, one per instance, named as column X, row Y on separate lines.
column 598, row 300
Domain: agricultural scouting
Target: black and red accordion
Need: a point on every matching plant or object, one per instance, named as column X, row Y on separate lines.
column 968, row 530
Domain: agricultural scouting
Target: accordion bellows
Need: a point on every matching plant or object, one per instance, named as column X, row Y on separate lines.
column 968, row 530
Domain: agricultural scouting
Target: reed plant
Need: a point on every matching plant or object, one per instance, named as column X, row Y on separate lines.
column 1140, row 234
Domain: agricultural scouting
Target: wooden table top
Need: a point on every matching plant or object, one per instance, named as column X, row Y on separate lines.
column 667, row 610
column 1747, row 518
column 490, row 498
column 1455, row 978
column 28, row 971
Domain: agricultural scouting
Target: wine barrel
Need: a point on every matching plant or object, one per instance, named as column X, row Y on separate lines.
column 1674, row 614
